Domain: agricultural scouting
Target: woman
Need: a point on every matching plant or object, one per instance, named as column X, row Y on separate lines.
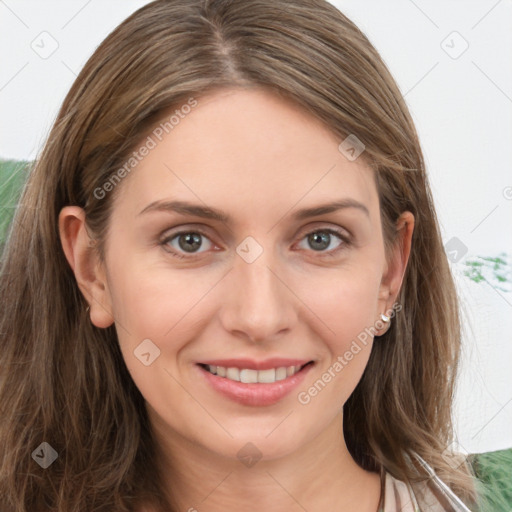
column 176, row 338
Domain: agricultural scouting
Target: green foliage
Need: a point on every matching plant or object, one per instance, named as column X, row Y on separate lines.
column 494, row 473
column 495, row 269
column 13, row 175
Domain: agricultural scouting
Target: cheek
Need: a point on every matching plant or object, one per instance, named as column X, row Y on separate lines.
column 158, row 312
column 150, row 300
column 347, row 306
column 168, row 307
column 346, row 303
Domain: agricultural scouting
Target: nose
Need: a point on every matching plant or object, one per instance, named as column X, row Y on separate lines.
column 258, row 303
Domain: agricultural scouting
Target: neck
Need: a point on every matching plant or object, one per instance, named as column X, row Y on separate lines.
column 319, row 476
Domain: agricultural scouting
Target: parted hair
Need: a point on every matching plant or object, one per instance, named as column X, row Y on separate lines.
column 64, row 381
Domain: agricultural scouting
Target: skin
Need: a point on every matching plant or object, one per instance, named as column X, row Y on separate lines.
column 260, row 158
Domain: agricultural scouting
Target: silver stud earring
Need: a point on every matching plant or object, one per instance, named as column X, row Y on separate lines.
column 387, row 321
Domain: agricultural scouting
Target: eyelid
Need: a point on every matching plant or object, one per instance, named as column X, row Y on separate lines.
column 166, row 238
column 346, row 239
column 343, row 234
column 323, row 226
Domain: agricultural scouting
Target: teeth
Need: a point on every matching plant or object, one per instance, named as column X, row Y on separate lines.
column 248, row 376
column 267, row 376
column 233, row 374
column 281, row 373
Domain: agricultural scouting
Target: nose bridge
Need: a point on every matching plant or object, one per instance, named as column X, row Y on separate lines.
column 260, row 304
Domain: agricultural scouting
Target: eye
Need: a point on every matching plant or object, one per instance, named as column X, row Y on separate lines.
column 187, row 241
column 186, row 244
column 320, row 239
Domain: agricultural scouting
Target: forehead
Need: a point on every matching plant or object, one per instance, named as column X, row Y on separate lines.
column 249, row 151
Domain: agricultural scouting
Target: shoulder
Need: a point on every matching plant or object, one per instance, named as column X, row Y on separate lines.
column 397, row 496
column 428, row 495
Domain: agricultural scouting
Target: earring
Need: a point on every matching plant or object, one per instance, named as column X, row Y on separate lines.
column 387, row 322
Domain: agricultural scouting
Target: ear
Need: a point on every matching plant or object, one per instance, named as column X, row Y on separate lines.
column 395, row 268
column 82, row 256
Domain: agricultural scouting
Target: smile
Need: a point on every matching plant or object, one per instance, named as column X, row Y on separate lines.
column 249, row 376
column 262, row 385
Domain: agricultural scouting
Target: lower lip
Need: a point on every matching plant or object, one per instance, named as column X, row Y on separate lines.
column 254, row 394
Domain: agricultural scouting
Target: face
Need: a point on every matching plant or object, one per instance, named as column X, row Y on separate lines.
column 267, row 291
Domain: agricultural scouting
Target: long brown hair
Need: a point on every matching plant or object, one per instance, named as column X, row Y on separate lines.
column 63, row 381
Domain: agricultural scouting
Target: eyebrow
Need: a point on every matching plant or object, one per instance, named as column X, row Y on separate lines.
column 185, row 208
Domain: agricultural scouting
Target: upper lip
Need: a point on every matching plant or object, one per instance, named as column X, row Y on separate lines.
column 251, row 364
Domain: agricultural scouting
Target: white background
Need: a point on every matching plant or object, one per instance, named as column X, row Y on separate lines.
column 462, row 108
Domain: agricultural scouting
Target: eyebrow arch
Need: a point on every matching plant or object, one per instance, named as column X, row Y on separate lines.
column 329, row 208
column 206, row 212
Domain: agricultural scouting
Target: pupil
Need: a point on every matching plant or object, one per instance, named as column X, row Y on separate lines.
column 319, row 238
column 191, row 240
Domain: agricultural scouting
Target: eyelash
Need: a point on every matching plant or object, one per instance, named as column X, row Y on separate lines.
column 347, row 242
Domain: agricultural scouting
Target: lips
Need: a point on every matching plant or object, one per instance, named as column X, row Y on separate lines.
column 254, row 383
